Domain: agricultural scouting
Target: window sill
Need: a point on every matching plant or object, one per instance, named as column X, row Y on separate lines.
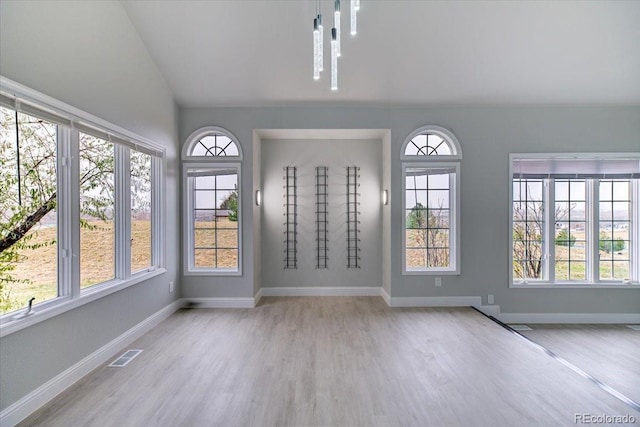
column 632, row 285
column 10, row 324
column 430, row 273
column 225, row 273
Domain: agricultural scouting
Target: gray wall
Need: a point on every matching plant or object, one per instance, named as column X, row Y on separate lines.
column 305, row 155
column 88, row 55
column 487, row 136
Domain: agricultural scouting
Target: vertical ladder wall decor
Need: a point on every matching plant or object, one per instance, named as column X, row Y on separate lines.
column 291, row 218
column 322, row 221
column 353, row 214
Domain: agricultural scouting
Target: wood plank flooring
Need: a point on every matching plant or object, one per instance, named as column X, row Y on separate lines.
column 330, row 361
column 611, row 353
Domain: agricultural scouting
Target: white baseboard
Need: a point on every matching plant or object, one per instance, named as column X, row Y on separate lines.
column 24, row 407
column 239, row 302
column 603, row 318
column 435, row 302
column 257, row 297
column 559, row 318
column 490, row 310
column 320, row 291
column 385, row 296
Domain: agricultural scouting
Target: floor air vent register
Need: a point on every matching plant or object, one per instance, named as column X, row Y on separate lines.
column 124, row 359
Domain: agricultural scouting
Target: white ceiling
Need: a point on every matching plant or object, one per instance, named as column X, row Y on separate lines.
column 252, row 53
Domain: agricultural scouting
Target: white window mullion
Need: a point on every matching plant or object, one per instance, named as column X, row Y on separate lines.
column 189, row 216
column 68, row 212
column 455, row 220
column 634, row 230
column 122, row 211
column 157, row 211
column 593, row 230
column 549, row 228
column 74, row 202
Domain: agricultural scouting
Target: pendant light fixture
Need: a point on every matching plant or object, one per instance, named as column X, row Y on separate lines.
column 336, row 48
column 320, row 43
column 336, row 22
column 316, row 50
column 354, row 17
column 334, row 59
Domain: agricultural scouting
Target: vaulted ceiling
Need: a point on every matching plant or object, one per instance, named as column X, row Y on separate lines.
column 246, row 53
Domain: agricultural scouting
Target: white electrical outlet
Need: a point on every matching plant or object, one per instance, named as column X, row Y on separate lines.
column 490, row 299
column 170, row 287
column 438, row 281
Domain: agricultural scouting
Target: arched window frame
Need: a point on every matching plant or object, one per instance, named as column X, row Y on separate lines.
column 448, row 137
column 197, row 136
column 213, row 162
column 449, row 162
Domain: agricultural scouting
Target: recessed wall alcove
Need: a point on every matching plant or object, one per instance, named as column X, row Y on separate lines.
column 336, row 150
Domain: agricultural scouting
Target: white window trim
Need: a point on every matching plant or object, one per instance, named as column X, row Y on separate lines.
column 592, row 199
column 454, row 231
column 188, row 244
column 71, row 295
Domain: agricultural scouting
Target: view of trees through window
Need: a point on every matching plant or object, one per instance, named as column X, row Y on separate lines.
column 615, row 225
column 28, row 209
column 97, row 210
column 215, row 218
column 140, row 211
column 29, row 197
column 571, row 231
column 571, row 242
column 427, row 210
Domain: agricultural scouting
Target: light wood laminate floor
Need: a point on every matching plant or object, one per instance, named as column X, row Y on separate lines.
column 611, row 353
column 330, row 361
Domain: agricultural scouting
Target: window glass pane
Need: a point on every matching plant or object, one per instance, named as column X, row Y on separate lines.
column 140, row 211
column 214, row 198
column 97, row 210
column 227, row 259
column 428, row 144
column 614, row 237
column 215, row 145
column 28, row 213
column 416, row 146
column 528, row 226
column 204, row 258
column 439, row 182
column 428, row 219
column 437, row 146
column 571, row 243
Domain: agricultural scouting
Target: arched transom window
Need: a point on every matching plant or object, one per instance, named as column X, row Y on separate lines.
column 431, row 141
column 215, row 145
column 211, row 143
column 427, row 144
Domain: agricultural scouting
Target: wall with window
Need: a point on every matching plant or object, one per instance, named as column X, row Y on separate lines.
column 88, row 55
column 575, row 219
column 487, row 135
